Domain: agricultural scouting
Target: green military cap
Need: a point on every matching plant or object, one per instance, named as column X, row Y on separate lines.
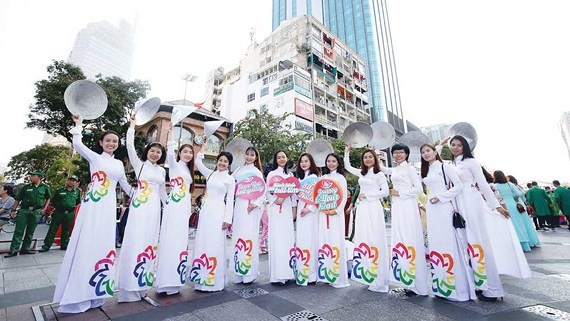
column 74, row 177
column 37, row 172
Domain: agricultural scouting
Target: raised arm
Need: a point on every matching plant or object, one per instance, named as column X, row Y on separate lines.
column 170, row 156
column 78, row 145
column 347, row 166
column 131, row 151
column 416, row 188
column 201, row 167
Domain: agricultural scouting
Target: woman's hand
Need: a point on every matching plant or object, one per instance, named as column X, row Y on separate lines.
column 279, row 201
column 347, row 148
column 434, row 200
column 77, row 119
column 503, row 212
column 132, row 121
column 304, row 211
column 394, row 192
column 225, row 226
column 251, row 207
column 361, row 195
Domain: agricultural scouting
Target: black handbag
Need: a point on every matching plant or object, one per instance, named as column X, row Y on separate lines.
column 458, row 220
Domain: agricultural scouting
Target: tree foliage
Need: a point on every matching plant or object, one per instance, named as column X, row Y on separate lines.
column 267, row 133
column 49, row 113
column 55, row 161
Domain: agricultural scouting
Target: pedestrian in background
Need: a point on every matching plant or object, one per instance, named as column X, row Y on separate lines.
column 65, row 200
column 34, row 200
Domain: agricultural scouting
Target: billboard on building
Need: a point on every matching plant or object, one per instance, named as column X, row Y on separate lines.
column 304, row 109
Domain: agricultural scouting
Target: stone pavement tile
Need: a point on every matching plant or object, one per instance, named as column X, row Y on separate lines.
column 27, row 296
column 560, row 305
column 385, row 308
column 517, row 315
column 275, row 305
column 274, row 287
column 52, row 272
column 2, row 314
column 444, row 307
column 321, row 298
column 89, row 315
column 552, row 268
column 177, row 309
column 17, row 261
column 25, row 279
column 510, row 302
column 550, row 286
column 235, row 310
column 116, row 310
column 525, row 293
column 22, row 312
column 184, row 317
column 1, row 285
column 54, row 256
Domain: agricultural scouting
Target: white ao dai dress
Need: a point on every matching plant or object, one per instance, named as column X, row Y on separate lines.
column 408, row 262
column 208, row 269
column 137, row 259
column 172, row 267
column 371, row 257
column 281, row 234
column 477, row 245
column 245, row 237
column 87, row 273
column 332, row 267
column 451, row 277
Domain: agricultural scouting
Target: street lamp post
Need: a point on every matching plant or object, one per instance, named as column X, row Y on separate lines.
column 187, row 78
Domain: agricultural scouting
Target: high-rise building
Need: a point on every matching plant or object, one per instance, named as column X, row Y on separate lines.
column 103, row 48
column 300, row 69
column 287, row 9
column 436, row 133
column 565, row 129
column 364, row 26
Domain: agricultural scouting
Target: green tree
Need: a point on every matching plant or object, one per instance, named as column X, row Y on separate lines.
column 49, row 113
column 445, row 152
column 266, row 132
column 55, row 161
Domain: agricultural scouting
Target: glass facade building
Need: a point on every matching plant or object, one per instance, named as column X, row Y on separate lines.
column 287, row 9
column 364, row 26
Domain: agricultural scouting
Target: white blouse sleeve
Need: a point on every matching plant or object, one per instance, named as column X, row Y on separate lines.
column 348, row 167
column 416, row 188
column 451, row 176
column 170, row 157
column 131, row 151
column 78, row 145
column 477, row 172
column 382, row 192
column 230, row 193
column 201, row 167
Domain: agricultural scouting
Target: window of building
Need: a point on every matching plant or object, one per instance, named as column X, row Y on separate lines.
column 263, row 108
column 251, row 97
column 250, row 113
column 152, row 134
column 214, row 145
column 303, row 83
column 285, row 80
column 264, row 91
column 185, row 135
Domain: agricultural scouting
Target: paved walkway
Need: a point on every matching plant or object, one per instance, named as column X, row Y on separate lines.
column 27, row 285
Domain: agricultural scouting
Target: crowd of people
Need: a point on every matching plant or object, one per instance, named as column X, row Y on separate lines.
column 470, row 227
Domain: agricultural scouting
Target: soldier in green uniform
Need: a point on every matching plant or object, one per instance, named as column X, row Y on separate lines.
column 64, row 200
column 562, row 197
column 537, row 198
column 34, row 200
